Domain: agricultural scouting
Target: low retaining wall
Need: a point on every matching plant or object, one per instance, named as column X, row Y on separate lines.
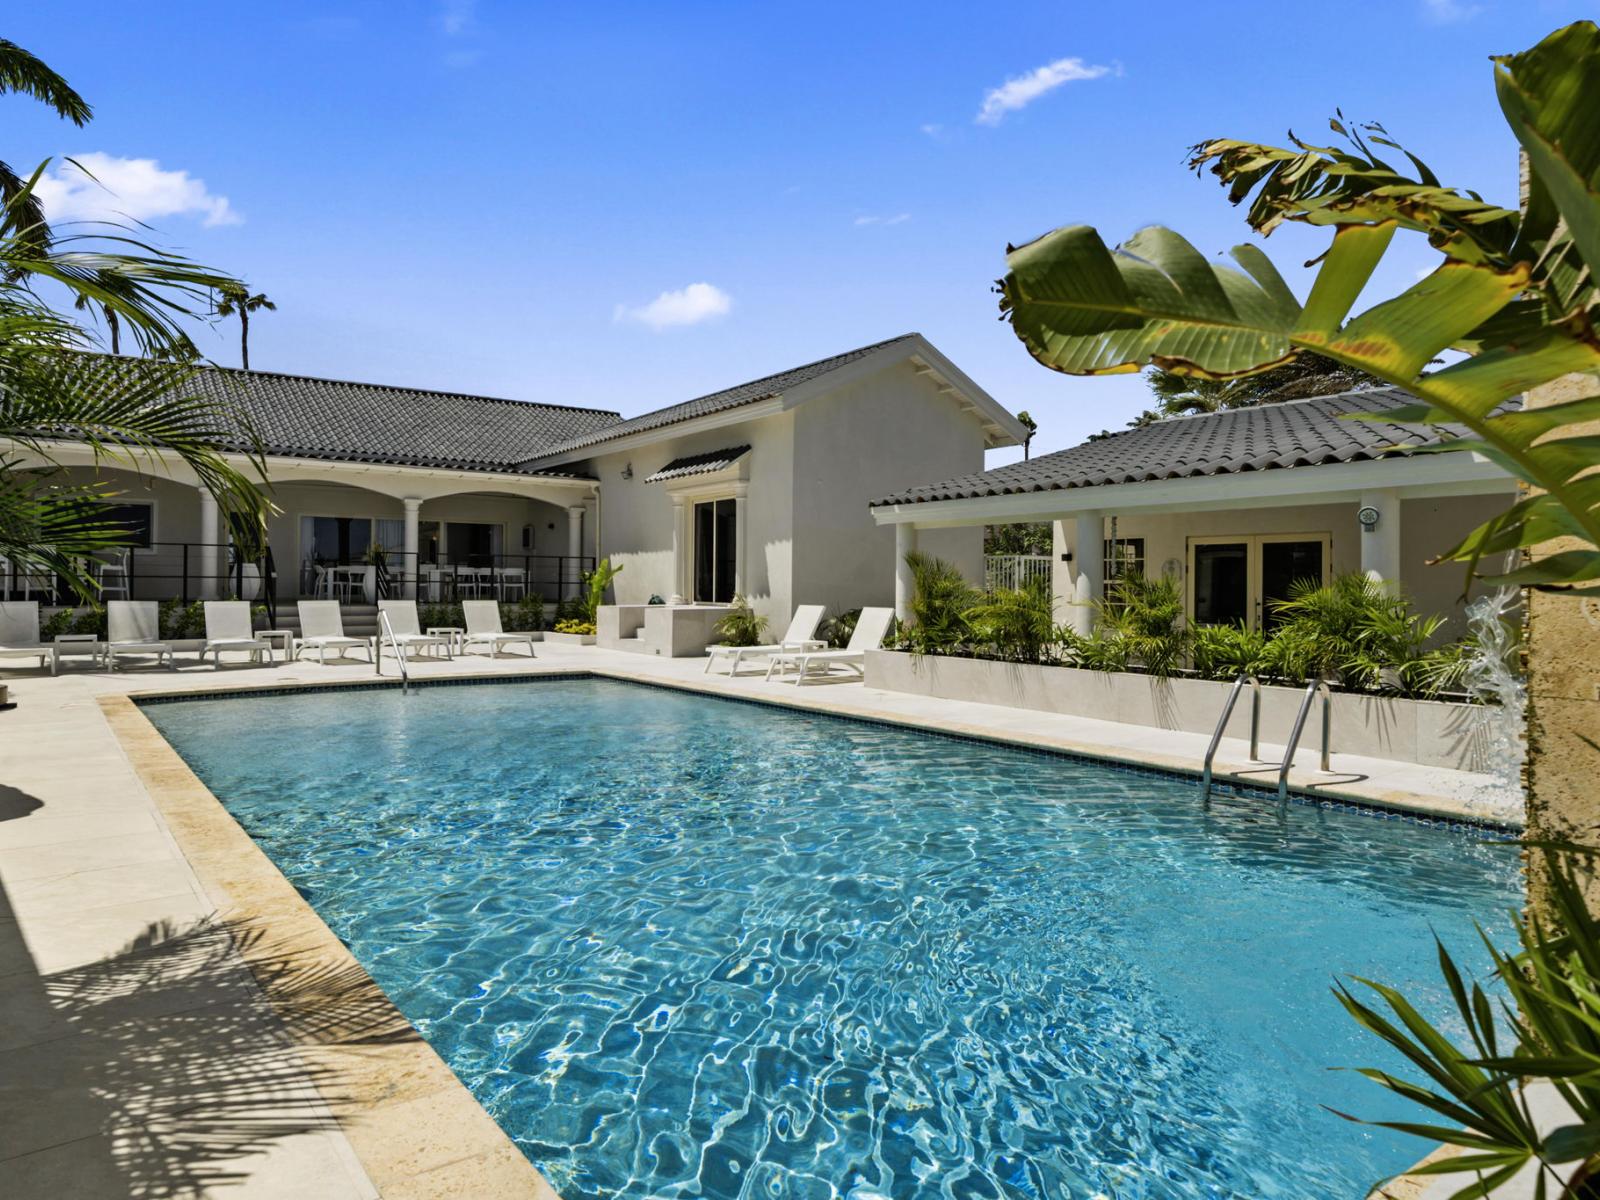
column 1431, row 732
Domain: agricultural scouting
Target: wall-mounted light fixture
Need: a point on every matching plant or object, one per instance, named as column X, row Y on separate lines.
column 1368, row 516
column 627, row 471
column 1066, row 556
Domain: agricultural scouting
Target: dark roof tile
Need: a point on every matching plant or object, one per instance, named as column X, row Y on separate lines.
column 1295, row 433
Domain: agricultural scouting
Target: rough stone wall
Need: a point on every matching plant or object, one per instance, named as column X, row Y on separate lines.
column 1562, row 658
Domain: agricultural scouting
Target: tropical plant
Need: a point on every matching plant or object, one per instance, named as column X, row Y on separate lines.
column 1351, row 630
column 130, row 413
column 1144, row 617
column 837, row 631
column 940, row 599
column 1027, row 422
column 581, row 628
column 1514, row 296
column 742, row 626
column 234, row 300
column 1014, row 624
column 595, row 583
column 1547, row 1028
column 1227, row 651
column 1018, row 537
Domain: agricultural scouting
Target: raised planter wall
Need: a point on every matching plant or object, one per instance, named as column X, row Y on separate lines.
column 1430, row 732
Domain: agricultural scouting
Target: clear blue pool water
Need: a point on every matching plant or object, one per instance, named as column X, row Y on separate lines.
column 682, row 947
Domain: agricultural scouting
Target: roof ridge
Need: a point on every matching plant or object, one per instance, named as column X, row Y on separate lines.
column 733, row 387
column 384, row 387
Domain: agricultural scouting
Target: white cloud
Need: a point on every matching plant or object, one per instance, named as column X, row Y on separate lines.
column 1025, row 89
column 897, row 219
column 1447, row 12
column 932, row 129
column 455, row 16
column 687, row 306
column 108, row 188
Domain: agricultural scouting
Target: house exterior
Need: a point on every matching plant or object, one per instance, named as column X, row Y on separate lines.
column 1236, row 505
column 759, row 489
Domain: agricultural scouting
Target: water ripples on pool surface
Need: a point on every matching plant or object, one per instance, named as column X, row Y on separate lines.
column 681, row 947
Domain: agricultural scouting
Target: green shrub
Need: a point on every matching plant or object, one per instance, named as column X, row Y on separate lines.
column 1353, row 630
column 1014, row 624
column 1226, row 651
column 836, row 631
column 940, row 600
column 743, row 626
column 595, row 583
column 522, row 616
column 583, row 628
column 1141, row 623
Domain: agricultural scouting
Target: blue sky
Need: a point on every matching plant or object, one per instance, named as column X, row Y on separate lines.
column 493, row 197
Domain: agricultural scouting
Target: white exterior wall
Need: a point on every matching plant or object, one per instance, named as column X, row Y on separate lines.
column 890, row 431
column 636, row 517
column 1429, row 527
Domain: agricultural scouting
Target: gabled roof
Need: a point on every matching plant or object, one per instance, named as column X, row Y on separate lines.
column 765, row 388
column 297, row 416
column 786, row 383
column 1295, row 433
column 698, row 464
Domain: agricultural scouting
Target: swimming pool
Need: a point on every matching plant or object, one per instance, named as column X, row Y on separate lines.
column 681, row 946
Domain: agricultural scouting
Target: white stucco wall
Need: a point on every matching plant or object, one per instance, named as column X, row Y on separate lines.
column 636, row 517
column 1428, row 528
column 885, row 433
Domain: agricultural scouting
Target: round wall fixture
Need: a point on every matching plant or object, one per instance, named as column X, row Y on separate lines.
column 1368, row 516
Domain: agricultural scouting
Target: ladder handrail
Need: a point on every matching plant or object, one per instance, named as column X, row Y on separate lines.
column 387, row 630
column 1320, row 685
column 1222, row 723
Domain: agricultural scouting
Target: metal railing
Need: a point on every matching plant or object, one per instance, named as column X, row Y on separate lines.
column 1299, row 727
column 1014, row 572
column 181, row 571
column 1312, row 689
column 509, row 577
column 386, row 633
column 1222, row 724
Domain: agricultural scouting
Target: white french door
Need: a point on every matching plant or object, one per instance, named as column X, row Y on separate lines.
column 1235, row 580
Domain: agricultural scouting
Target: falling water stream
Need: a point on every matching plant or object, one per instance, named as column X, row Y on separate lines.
column 1492, row 677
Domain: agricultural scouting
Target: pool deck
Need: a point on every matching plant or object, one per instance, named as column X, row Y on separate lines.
column 176, row 1020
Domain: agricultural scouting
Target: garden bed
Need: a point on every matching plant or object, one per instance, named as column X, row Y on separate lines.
column 1432, row 733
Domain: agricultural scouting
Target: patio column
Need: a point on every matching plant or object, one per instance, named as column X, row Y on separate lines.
column 210, row 535
column 410, row 566
column 680, row 543
column 575, row 545
column 1380, row 540
column 905, row 542
column 740, row 574
column 1089, row 583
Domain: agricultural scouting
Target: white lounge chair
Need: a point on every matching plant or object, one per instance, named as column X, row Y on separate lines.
column 19, row 634
column 322, row 629
column 228, row 629
column 483, row 628
column 801, row 635
column 133, row 630
column 871, row 627
column 406, row 626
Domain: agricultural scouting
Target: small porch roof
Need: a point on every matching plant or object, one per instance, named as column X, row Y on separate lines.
column 1296, row 452
column 698, row 464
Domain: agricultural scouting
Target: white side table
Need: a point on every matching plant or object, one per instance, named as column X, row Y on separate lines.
column 454, row 632
column 284, row 639
column 80, row 643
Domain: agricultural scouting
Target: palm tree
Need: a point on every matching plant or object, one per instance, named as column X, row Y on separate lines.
column 235, row 299
column 1032, row 427
column 132, row 412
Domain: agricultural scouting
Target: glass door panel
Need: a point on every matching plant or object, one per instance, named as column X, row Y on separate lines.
column 1284, row 564
column 1221, row 578
column 715, row 550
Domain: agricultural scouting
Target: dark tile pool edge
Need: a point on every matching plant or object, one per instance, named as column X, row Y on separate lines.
column 1226, row 786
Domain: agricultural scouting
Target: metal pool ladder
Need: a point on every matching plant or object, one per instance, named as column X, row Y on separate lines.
column 399, row 654
column 1312, row 690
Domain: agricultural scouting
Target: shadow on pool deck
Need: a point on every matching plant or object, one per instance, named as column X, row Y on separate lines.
column 160, row 1071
